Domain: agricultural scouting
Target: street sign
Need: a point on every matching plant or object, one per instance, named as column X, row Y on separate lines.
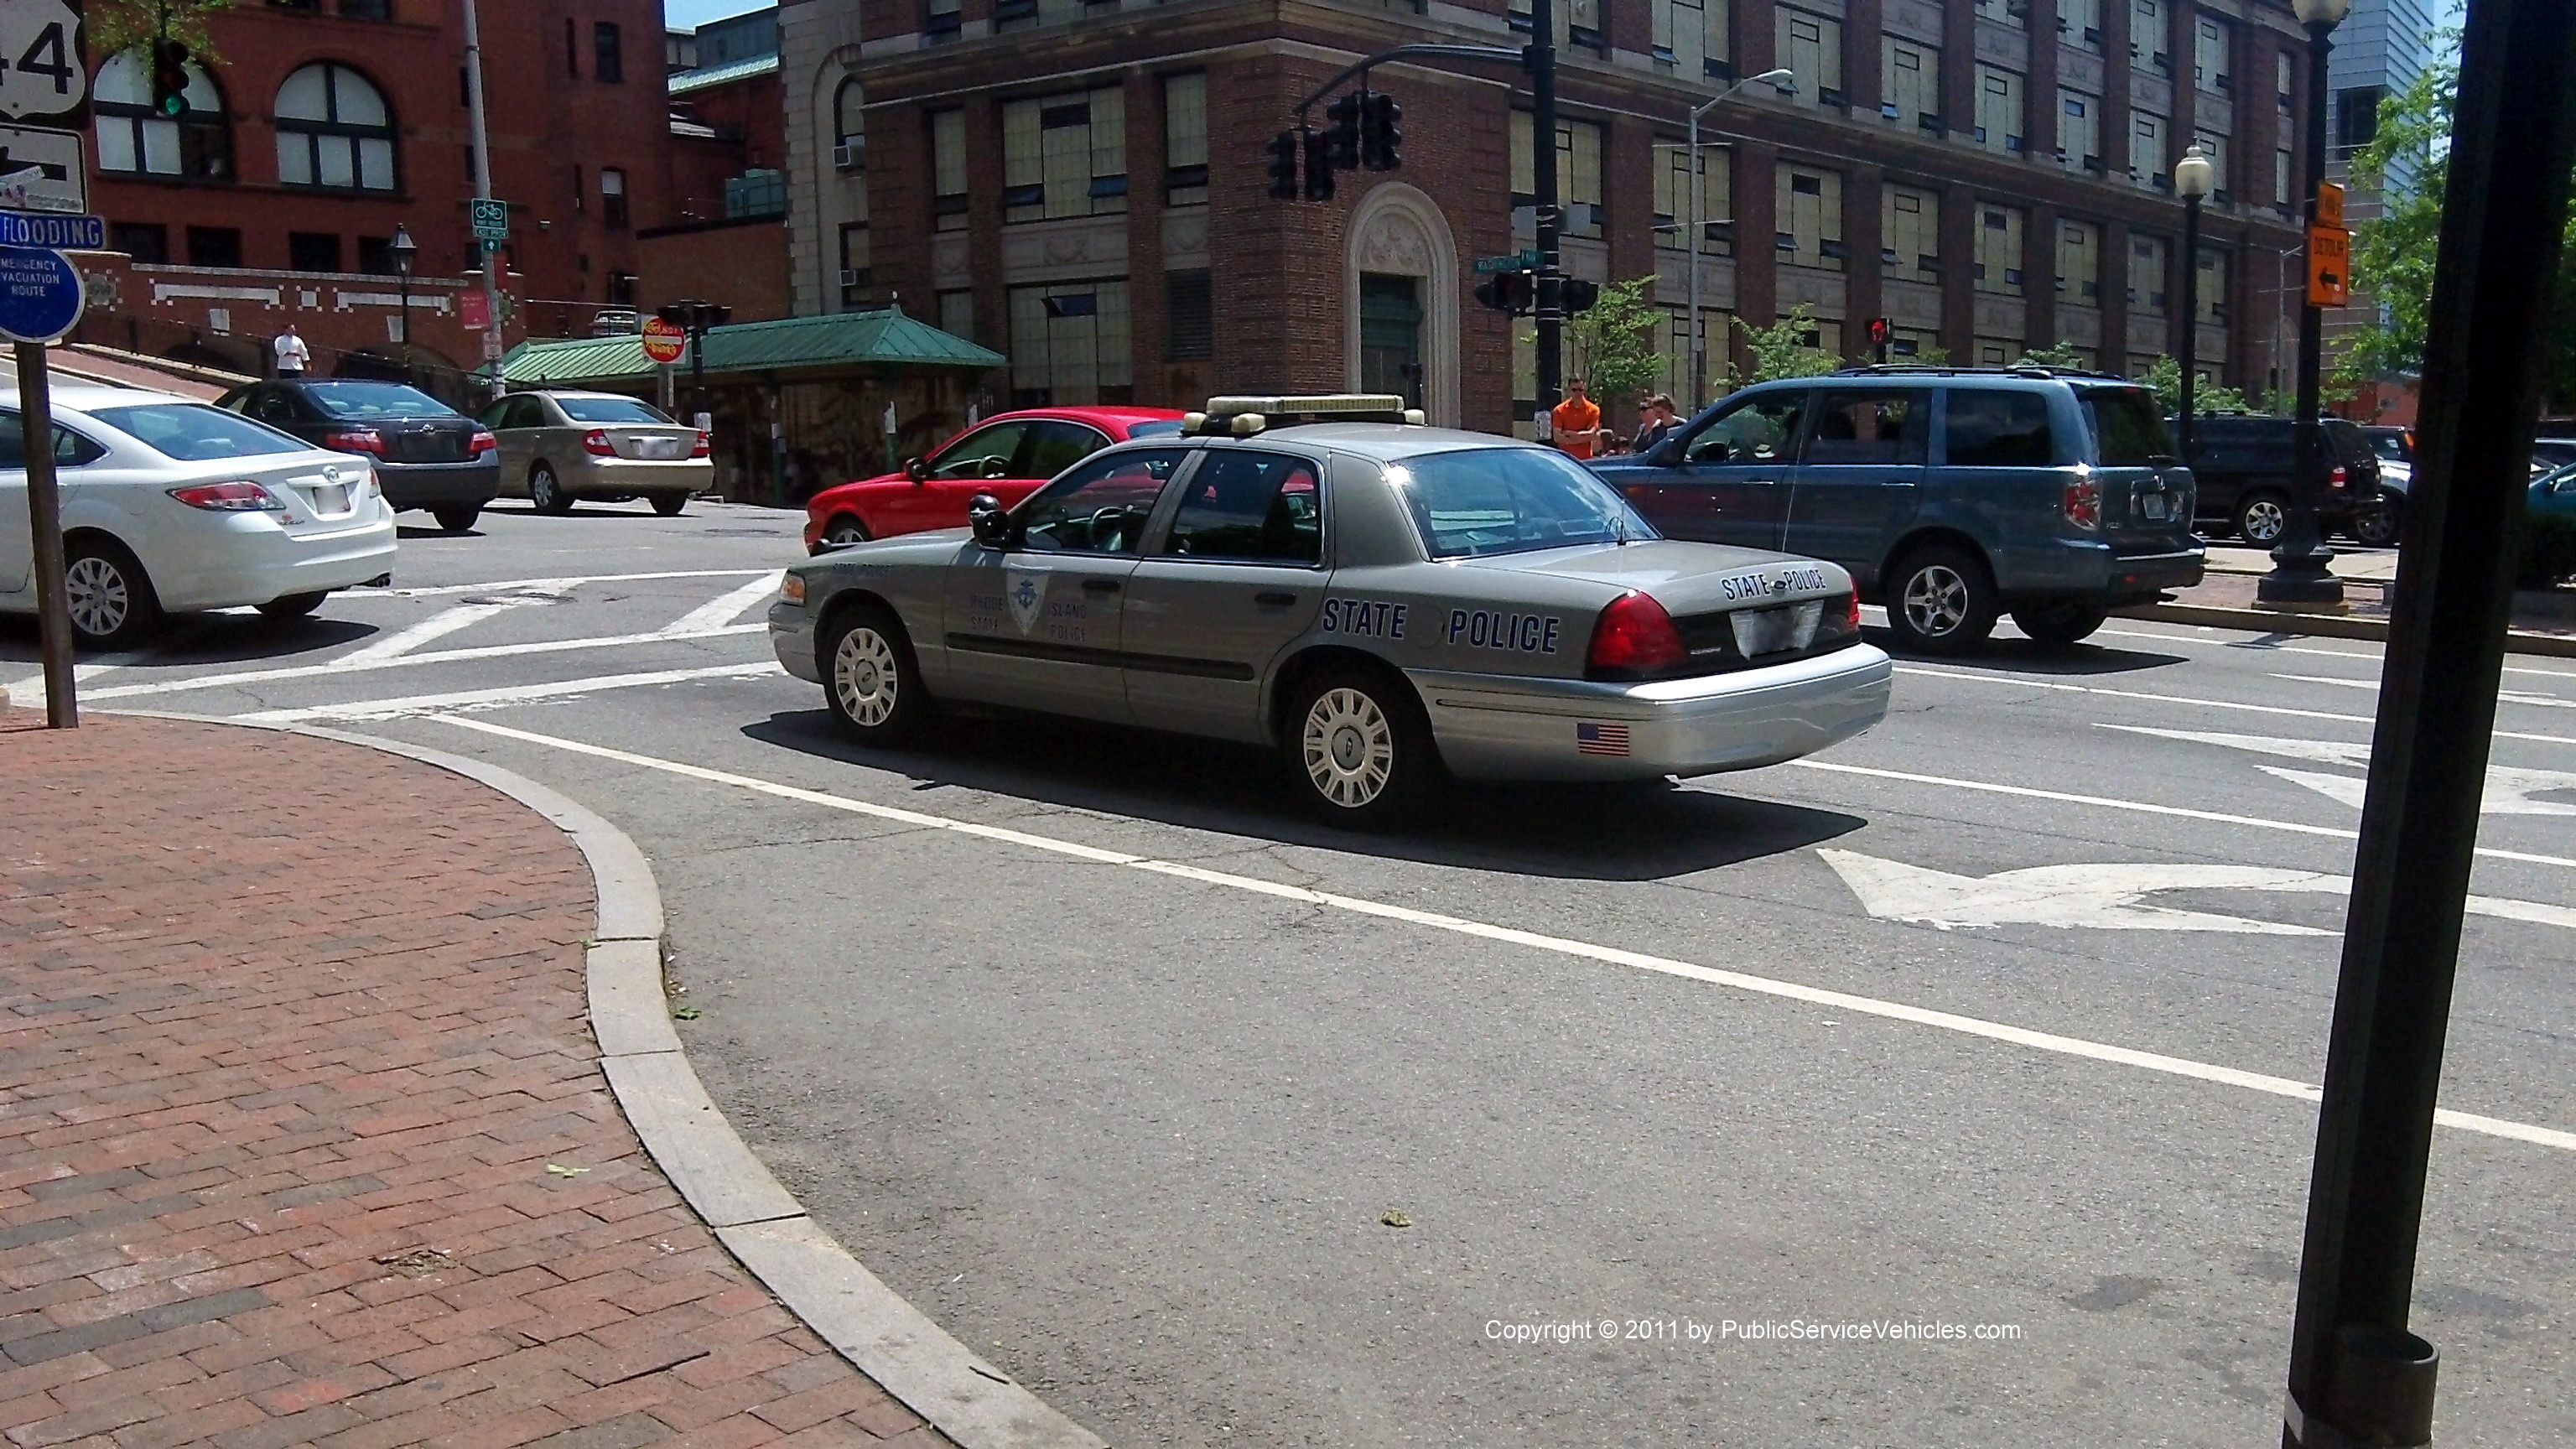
column 2329, row 205
column 473, row 310
column 491, row 347
column 44, row 80
column 42, row 170
column 2329, row 266
column 1512, row 262
column 491, row 218
column 663, row 342
column 56, row 231
column 40, row 294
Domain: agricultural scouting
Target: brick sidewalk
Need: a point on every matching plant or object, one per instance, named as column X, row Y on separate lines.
column 303, row 1137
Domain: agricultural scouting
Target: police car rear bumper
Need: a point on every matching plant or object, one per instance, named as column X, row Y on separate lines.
column 1501, row 727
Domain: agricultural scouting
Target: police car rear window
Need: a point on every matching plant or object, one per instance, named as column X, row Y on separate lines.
column 1483, row 501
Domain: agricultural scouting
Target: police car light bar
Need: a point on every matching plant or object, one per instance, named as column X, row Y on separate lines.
column 1244, row 416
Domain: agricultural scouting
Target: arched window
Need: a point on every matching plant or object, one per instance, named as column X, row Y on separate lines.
column 134, row 138
column 333, row 129
column 848, row 122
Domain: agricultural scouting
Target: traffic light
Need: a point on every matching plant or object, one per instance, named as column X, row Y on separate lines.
column 1319, row 166
column 1379, row 137
column 1342, row 136
column 1880, row 331
column 1578, row 295
column 169, row 78
column 1512, row 292
column 1283, row 166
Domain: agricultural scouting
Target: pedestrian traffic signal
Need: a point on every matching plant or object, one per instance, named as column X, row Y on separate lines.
column 1342, row 136
column 1578, row 295
column 1512, row 292
column 169, row 78
column 1379, row 137
column 1880, row 331
column 1283, row 166
column 1319, row 166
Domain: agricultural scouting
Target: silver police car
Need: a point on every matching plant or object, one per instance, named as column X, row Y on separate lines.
column 1384, row 603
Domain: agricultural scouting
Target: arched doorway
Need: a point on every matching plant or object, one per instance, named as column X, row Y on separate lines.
column 1400, row 301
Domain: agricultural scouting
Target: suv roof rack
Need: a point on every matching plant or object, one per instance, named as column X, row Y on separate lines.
column 1241, row 417
column 1943, row 369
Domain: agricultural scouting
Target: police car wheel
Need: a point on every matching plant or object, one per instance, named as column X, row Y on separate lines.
column 870, row 679
column 1360, row 748
column 1941, row 601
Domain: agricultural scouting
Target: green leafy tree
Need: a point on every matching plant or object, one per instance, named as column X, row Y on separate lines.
column 2408, row 163
column 1613, row 344
column 2163, row 377
column 2055, row 354
column 113, row 26
column 1782, row 349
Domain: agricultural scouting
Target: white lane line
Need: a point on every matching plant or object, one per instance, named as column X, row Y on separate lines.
column 504, row 695
column 1611, row 955
column 2140, row 806
column 2242, row 646
column 436, row 626
column 2024, row 681
column 435, row 656
column 2503, row 696
column 31, row 690
column 431, row 591
column 722, row 611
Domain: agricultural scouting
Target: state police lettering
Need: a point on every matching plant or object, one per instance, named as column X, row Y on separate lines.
column 1488, row 629
column 1757, row 586
column 1375, row 618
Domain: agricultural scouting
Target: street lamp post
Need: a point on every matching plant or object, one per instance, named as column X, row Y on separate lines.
column 1785, row 79
column 405, row 252
column 2193, row 179
column 2300, row 563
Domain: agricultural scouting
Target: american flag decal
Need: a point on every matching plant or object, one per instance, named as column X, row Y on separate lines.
column 1601, row 739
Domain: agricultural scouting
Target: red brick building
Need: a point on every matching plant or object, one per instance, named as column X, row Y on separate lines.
column 319, row 126
column 1080, row 183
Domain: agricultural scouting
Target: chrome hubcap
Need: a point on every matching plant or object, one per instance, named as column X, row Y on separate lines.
column 1936, row 600
column 1348, row 748
column 845, row 534
column 541, row 488
column 863, row 676
column 99, row 598
column 2264, row 521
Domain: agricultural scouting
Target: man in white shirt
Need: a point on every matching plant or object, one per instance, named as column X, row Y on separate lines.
column 292, row 355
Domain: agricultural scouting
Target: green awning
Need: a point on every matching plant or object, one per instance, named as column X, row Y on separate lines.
column 793, row 344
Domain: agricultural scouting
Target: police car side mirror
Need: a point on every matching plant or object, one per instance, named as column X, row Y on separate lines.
column 916, row 469
column 992, row 526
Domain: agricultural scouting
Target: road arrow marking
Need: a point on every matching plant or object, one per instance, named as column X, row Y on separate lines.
column 2105, row 897
column 2509, row 789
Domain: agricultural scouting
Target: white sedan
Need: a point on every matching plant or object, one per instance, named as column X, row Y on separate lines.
column 170, row 504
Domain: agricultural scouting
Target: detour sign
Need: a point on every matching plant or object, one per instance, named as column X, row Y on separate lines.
column 2329, row 266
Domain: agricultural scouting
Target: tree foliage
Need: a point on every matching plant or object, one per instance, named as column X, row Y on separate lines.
column 2163, row 377
column 1782, row 350
column 2408, row 164
column 113, row 26
column 1612, row 344
column 2056, row 354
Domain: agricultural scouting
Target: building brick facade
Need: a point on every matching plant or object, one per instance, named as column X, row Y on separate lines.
column 1033, row 263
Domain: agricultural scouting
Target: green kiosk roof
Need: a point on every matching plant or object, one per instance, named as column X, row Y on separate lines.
column 886, row 338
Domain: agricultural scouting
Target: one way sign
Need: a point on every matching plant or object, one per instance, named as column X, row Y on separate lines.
column 42, row 170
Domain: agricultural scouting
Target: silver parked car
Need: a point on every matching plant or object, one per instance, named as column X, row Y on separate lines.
column 557, row 447
column 1384, row 603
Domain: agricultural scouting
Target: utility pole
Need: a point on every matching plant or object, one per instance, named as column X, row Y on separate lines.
column 1541, row 62
column 483, row 192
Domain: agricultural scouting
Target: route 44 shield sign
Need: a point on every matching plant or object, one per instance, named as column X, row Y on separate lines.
column 42, row 79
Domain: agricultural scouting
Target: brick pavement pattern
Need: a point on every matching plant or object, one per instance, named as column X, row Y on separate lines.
column 303, row 1137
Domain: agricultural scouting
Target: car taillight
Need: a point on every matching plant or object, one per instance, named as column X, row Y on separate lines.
column 2335, row 479
column 230, row 498
column 1634, row 639
column 596, row 444
column 705, row 446
column 355, row 440
column 483, row 443
column 2083, row 504
column 1845, row 618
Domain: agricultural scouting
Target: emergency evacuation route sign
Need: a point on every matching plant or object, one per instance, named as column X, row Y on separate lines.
column 40, row 294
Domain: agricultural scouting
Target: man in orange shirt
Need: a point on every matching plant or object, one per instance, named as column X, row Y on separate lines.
column 1577, row 421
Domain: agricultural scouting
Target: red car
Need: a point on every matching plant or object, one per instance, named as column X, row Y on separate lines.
column 1008, row 455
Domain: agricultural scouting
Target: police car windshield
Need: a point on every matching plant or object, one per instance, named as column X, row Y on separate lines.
column 1483, row 501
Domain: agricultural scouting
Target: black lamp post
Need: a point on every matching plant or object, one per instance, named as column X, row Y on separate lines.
column 2300, row 574
column 2193, row 179
column 405, row 251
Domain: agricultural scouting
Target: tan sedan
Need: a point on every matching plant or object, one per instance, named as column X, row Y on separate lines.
column 558, row 447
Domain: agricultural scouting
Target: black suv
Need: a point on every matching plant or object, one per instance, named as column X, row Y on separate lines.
column 2246, row 467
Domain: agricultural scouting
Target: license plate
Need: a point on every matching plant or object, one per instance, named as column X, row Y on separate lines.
column 661, row 448
column 1774, row 631
column 331, row 498
column 2152, row 505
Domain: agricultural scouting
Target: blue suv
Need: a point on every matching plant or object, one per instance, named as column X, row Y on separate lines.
column 1953, row 495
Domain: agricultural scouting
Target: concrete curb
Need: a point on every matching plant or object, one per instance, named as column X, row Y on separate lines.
column 2332, row 626
column 759, row 1221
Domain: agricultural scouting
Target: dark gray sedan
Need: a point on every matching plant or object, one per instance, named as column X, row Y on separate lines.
column 1382, row 603
column 427, row 454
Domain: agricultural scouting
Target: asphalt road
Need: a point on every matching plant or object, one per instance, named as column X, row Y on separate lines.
column 1093, row 1047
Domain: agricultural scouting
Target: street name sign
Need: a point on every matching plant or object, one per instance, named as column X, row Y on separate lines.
column 663, row 341
column 42, row 79
column 41, row 296
column 57, row 231
column 1509, row 262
